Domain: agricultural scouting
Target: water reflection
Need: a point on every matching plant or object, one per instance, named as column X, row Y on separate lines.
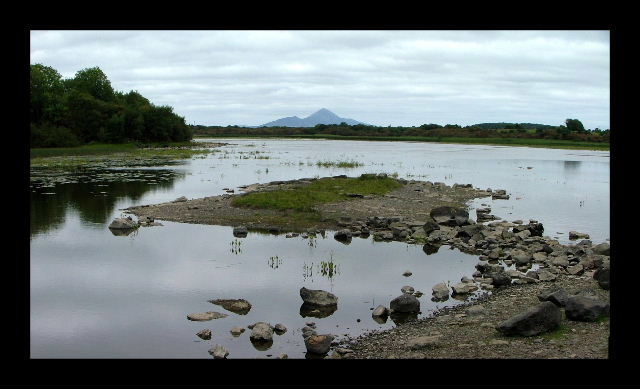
column 403, row 317
column 430, row 248
column 310, row 310
column 571, row 167
column 86, row 193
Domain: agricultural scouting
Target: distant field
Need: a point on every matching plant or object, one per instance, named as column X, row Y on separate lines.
column 547, row 143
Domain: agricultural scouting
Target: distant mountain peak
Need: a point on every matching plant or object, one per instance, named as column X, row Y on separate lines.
column 321, row 116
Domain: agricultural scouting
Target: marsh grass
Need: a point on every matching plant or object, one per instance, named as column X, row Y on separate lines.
column 303, row 198
column 117, row 155
column 340, row 164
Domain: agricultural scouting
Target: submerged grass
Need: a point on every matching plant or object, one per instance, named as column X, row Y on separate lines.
column 112, row 154
column 303, row 198
column 340, row 164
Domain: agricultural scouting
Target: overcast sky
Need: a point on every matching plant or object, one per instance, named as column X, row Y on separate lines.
column 404, row 78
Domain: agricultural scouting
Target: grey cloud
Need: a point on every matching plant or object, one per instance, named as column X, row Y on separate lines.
column 378, row 77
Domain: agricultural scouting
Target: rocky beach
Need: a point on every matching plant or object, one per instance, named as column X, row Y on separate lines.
column 530, row 296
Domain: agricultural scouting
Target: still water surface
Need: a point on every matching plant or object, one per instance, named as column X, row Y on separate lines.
column 96, row 295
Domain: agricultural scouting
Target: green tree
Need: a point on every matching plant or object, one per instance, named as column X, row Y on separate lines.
column 574, row 125
column 94, row 82
column 46, row 94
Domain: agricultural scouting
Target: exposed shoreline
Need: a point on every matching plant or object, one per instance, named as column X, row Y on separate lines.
column 538, row 263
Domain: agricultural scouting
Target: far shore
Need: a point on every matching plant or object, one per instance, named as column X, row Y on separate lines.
column 515, row 142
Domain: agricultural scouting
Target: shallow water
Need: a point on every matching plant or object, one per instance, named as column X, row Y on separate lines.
column 94, row 294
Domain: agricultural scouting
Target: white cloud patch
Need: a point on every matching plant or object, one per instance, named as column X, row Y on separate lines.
column 378, row 77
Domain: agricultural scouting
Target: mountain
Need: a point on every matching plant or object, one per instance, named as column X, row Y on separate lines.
column 323, row 116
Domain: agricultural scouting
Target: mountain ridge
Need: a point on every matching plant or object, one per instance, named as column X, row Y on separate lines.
column 321, row 116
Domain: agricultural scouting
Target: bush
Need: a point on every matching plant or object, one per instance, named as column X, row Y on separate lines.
column 42, row 136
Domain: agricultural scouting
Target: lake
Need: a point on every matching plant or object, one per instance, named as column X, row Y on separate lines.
column 97, row 295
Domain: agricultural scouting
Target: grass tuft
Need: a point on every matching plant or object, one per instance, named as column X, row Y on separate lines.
column 303, row 198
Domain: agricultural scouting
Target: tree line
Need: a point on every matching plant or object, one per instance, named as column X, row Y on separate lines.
column 572, row 129
column 86, row 108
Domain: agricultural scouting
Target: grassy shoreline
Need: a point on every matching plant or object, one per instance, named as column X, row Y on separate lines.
column 516, row 142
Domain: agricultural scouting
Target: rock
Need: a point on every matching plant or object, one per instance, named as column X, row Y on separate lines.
column 237, row 331
column 424, row 342
column 262, row 331
column 500, row 278
column 204, row 334
column 602, row 249
column 380, row 311
column 405, row 303
column 592, row 261
column 450, row 216
column 502, row 195
column 342, row 235
column 463, row 288
column 240, row 231
column 180, row 199
column 407, row 273
column 430, row 226
column 318, row 297
column 318, row 344
column 476, row 310
column 440, row 291
column 557, row 296
column 307, row 332
column 561, row 260
column 542, row 318
column 239, row 306
column 219, row 352
column 283, row 356
column 575, row 270
column 280, row 329
column 545, row 275
column 601, row 275
column 573, row 235
column 123, row 223
column 521, row 257
column 407, row 289
column 204, row 316
column 583, row 308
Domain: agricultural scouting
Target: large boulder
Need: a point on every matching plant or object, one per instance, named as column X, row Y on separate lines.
column 262, row 332
column 219, row 352
column 440, row 291
column 602, row 275
column 557, row 296
column 542, row 318
column 318, row 297
column 584, row 308
column 450, row 216
column 343, row 235
column 602, row 249
column 123, row 223
column 318, row 344
column 405, row 303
